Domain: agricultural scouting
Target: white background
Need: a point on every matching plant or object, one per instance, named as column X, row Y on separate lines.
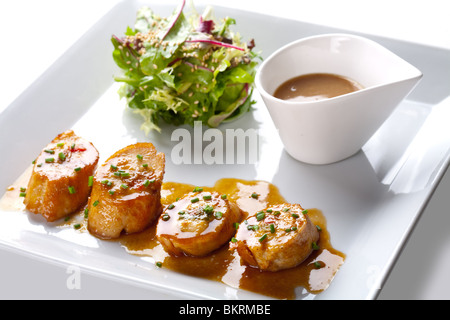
column 35, row 33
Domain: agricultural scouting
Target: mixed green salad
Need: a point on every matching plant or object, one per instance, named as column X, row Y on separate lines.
column 185, row 68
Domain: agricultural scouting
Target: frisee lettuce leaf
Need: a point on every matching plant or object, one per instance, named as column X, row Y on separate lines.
column 182, row 69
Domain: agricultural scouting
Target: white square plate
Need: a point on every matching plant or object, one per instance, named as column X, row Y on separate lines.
column 371, row 200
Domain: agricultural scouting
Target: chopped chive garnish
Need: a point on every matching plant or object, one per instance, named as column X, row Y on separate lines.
column 233, row 240
column 207, row 197
column 34, row 161
column 77, row 226
column 305, row 211
column 272, row 228
column 317, row 264
column 124, row 174
column 124, row 186
column 49, row 160
column 22, row 194
column 111, row 192
column 113, row 167
column 293, row 228
column 61, row 144
column 171, row 206
column 86, row 213
column 260, row 215
column 140, row 157
column 159, row 264
column 61, row 156
column 165, row 217
column 194, row 200
column 208, row 209
column 71, row 190
column 269, row 210
column 318, row 228
column 315, row 246
column 254, row 195
column 286, row 209
column 224, row 196
column 276, row 213
column 263, row 237
column 50, row 151
column 72, row 146
column 218, row 215
column 145, row 165
column 95, row 203
column 197, row 189
column 152, row 181
column 236, row 225
column 295, row 216
column 181, row 212
column 146, row 183
column 22, row 189
column 104, row 181
column 77, row 169
column 90, row 181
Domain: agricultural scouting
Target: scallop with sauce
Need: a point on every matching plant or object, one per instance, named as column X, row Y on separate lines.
column 277, row 238
column 59, row 183
column 126, row 191
column 198, row 223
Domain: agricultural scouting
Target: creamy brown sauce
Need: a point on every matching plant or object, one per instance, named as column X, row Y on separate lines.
column 223, row 265
column 315, row 86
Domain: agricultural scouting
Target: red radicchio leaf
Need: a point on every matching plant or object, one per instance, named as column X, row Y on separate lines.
column 205, row 26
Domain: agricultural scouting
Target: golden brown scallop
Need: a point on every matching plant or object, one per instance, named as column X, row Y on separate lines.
column 126, row 191
column 59, row 183
column 277, row 238
column 197, row 224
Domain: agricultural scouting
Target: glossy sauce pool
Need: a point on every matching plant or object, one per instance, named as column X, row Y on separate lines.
column 223, row 265
column 315, row 86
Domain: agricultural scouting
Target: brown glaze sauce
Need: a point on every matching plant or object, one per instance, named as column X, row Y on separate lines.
column 223, row 265
column 315, row 86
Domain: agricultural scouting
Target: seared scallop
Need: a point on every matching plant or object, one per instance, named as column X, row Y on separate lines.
column 279, row 237
column 59, row 183
column 126, row 189
column 197, row 224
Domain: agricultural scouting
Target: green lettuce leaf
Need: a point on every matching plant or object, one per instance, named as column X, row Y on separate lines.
column 181, row 69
